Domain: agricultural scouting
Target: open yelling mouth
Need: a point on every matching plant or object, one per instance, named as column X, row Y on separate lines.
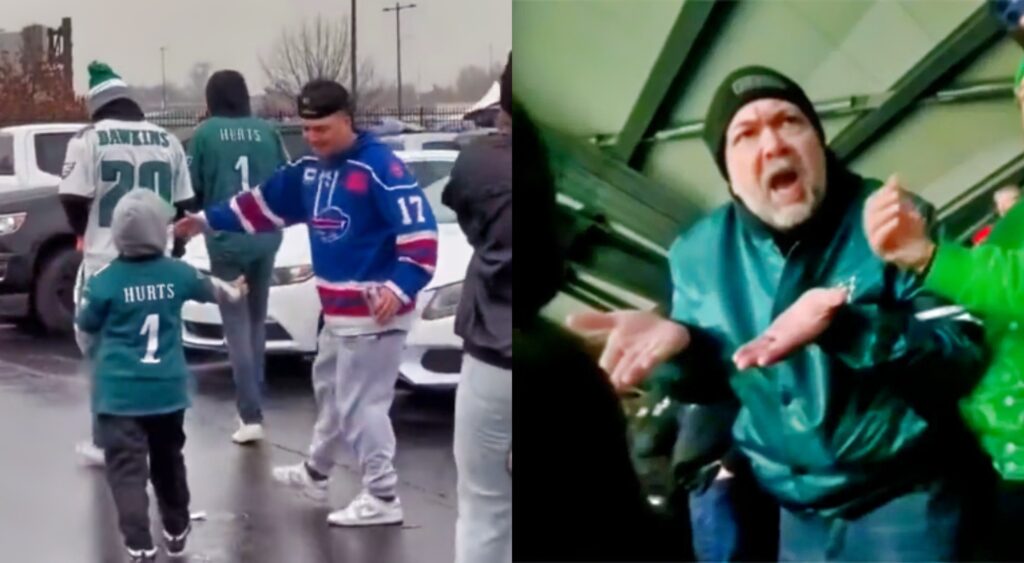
column 784, row 184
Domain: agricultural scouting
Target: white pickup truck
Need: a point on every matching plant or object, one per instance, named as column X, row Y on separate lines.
column 38, row 260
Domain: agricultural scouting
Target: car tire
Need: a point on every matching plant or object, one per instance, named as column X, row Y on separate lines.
column 53, row 295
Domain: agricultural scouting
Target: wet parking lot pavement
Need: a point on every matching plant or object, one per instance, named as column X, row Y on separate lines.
column 55, row 510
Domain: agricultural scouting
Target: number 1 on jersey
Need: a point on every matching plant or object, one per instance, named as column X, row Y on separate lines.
column 151, row 328
column 243, row 168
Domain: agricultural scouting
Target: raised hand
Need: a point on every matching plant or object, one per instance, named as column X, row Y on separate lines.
column 895, row 230
column 189, row 226
column 798, row 325
column 633, row 342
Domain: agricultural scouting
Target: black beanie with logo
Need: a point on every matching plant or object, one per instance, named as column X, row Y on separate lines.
column 745, row 85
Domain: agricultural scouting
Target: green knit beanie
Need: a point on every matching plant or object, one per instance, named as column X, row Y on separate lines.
column 105, row 86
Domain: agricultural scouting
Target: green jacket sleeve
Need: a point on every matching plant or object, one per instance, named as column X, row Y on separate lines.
column 700, row 374
column 912, row 330
column 986, row 280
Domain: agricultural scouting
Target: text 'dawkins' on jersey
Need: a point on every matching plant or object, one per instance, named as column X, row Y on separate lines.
column 108, row 159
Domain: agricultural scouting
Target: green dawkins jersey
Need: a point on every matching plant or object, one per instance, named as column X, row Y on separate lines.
column 229, row 155
column 134, row 306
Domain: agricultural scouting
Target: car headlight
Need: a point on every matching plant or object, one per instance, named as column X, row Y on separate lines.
column 291, row 275
column 444, row 302
column 10, row 223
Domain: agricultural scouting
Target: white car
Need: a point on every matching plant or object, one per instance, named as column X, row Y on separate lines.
column 433, row 353
column 421, row 141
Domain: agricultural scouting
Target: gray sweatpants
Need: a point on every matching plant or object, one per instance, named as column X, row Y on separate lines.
column 354, row 384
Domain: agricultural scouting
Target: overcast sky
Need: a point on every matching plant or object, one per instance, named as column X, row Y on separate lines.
column 438, row 36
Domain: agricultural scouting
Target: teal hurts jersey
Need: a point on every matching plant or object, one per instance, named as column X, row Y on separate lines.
column 227, row 156
column 134, row 307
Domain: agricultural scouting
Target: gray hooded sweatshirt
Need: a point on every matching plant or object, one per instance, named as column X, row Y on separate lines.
column 140, row 224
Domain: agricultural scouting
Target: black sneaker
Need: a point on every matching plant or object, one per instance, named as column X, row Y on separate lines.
column 142, row 555
column 176, row 544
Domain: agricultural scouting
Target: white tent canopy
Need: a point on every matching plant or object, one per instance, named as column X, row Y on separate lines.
column 491, row 98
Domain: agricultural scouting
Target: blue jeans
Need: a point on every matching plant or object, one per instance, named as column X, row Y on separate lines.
column 483, row 457
column 245, row 331
column 922, row 525
column 734, row 520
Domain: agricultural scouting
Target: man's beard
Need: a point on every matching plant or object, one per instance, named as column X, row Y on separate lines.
column 787, row 217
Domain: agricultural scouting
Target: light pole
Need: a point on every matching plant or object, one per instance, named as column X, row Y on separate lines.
column 352, row 65
column 397, row 9
column 163, row 79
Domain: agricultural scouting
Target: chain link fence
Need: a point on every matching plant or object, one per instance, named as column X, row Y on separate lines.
column 449, row 118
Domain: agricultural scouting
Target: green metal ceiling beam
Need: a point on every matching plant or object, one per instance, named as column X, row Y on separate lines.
column 604, row 184
column 975, row 34
column 589, row 245
column 697, row 22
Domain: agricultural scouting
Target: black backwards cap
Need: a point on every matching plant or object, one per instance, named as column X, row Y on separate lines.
column 321, row 97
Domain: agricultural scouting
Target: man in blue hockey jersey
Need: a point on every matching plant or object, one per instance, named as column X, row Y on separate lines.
column 374, row 245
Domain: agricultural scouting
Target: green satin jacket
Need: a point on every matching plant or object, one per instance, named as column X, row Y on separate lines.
column 989, row 281
column 866, row 412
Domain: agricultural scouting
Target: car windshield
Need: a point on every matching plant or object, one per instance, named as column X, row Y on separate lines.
column 294, row 143
column 432, row 176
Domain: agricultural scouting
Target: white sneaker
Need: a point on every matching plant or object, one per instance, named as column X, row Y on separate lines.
column 367, row 510
column 248, row 433
column 297, row 477
column 90, row 454
column 142, row 555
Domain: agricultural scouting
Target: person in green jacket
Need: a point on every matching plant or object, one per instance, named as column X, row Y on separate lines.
column 847, row 372
column 230, row 152
column 988, row 280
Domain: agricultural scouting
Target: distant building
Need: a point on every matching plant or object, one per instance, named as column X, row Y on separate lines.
column 11, row 45
column 37, row 45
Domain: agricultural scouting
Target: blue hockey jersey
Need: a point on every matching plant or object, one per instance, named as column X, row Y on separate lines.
column 369, row 223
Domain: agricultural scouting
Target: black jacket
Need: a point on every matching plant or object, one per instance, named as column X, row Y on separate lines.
column 577, row 429
column 480, row 193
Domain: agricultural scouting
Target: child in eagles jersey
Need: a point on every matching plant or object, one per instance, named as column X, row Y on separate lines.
column 132, row 310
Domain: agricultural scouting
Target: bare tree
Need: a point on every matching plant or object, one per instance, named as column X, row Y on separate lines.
column 36, row 92
column 318, row 48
